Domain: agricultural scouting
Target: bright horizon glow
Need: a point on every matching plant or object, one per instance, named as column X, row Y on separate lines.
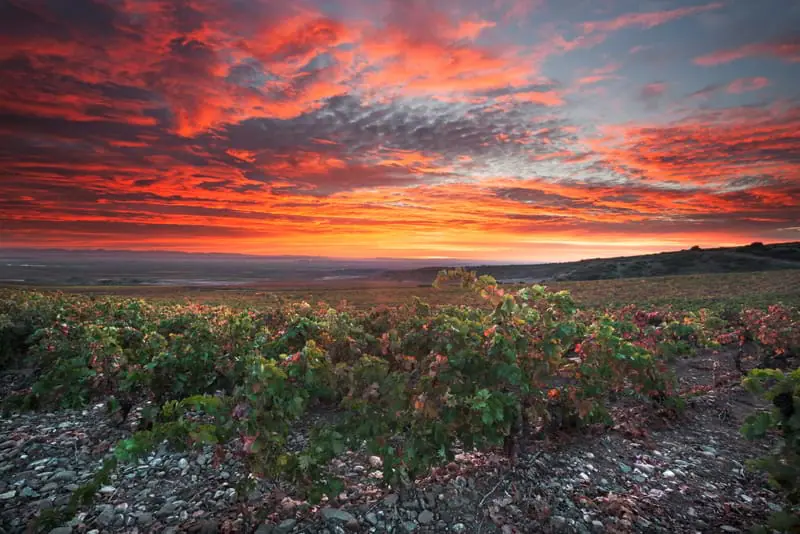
column 508, row 131
column 612, row 251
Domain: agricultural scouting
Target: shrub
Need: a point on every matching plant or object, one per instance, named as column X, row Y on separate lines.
column 783, row 466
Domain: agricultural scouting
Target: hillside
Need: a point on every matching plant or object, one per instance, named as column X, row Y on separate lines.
column 754, row 257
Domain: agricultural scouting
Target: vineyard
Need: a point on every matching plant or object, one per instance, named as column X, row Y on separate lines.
column 409, row 418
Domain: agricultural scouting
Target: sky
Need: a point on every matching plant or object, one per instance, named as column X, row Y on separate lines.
column 519, row 130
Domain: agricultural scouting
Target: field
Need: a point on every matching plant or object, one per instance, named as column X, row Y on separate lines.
column 628, row 405
column 710, row 290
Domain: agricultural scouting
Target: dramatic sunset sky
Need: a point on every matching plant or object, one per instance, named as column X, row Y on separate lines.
column 483, row 129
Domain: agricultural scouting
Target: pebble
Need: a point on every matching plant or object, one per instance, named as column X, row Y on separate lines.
column 64, row 476
column 459, row 527
column 335, row 514
column 647, row 468
column 106, row 516
column 668, row 474
column 144, row 519
column 409, row 526
column 167, row 510
column 425, row 517
column 286, row 526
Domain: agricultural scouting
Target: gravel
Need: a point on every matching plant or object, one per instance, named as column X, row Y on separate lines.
column 685, row 475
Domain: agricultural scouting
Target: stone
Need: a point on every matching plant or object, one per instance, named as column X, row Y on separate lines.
column 391, row 499
column 425, row 517
column 8, row 495
column 144, row 519
column 335, row 514
column 647, row 468
column 107, row 490
column 106, row 517
column 64, row 476
column 30, row 493
column 375, row 462
column 167, row 510
column 459, row 527
column 409, row 526
column 728, row 528
column 668, row 474
column 61, row 530
column 286, row 526
column 371, row 518
column 597, row 526
column 183, row 463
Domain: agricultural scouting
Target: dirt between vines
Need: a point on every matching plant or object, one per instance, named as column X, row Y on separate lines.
column 648, row 474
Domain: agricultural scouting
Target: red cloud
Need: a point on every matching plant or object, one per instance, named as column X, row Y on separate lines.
column 710, row 149
column 600, row 74
column 786, row 50
column 646, row 20
column 744, row 85
column 653, row 90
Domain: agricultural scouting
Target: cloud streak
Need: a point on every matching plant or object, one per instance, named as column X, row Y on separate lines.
column 787, row 50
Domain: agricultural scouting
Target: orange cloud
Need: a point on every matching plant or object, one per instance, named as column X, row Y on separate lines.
column 545, row 98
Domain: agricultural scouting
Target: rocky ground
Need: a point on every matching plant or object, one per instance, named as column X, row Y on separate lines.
column 662, row 476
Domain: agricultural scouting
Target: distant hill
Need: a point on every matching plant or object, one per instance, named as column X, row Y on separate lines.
column 753, row 257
